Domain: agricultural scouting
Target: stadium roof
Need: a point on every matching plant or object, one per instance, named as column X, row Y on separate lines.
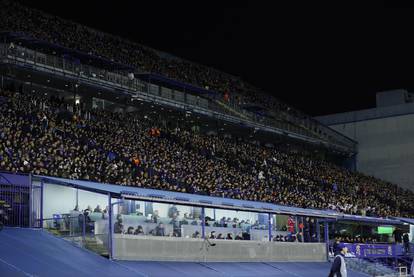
column 70, row 54
column 159, row 79
column 186, row 198
column 208, row 201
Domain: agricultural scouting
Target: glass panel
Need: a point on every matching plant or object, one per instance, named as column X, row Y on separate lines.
column 158, row 219
column 77, row 215
column 236, row 225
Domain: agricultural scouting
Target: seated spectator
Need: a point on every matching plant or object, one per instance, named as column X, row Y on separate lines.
column 246, row 236
column 99, row 148
column 212, row 235
column 239, row 236
column 139, row 230
column 229, row 236
column 196, row 235
column 159, row 230
column 130, row 230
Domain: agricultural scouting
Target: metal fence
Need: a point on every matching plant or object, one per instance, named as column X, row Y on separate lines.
column 16, row 199
column 20, row 200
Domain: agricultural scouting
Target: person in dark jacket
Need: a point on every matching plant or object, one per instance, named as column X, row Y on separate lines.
column 118, row 226
column 160, row 230
column 406, row 241
column 336, row 245
column 338, row 268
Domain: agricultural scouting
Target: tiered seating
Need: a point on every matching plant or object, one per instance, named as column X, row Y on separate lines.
column 131, row 149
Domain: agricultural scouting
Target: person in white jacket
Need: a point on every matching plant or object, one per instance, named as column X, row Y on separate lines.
column 338, row 268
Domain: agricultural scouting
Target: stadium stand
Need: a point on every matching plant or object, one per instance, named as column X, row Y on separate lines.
column 235, row 95
column 40, row 136
column 94, row 124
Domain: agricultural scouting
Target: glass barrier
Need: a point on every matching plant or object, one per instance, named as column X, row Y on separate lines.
column 80, row 229
column 78, row 216
column 157, row 219
column 147, row 230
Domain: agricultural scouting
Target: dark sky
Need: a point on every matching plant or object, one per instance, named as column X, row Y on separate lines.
column 320, row 59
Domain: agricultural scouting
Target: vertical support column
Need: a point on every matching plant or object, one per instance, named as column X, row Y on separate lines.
column 41, row 203
column 84, row 228
column 20, row 206
column 77, row 198
column 326, row 234
column 296, row 224
column 270, row 226
column 203, row 223
column 30, row 201
column 110, row 226
column 318, row 231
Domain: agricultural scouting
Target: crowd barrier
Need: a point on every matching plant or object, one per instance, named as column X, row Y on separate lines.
column 149, row 248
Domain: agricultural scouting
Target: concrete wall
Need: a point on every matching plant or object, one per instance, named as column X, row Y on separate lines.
column 386, row 147
column 130, row 247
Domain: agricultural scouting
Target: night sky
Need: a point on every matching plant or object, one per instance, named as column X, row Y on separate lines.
column 320, row 59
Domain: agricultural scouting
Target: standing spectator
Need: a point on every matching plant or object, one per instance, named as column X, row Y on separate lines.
column 338, row 268
column 291, row 225
column 406, row 241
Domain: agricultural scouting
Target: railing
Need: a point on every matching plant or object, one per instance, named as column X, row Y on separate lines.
column 138, row 88
column 79, row 230
column 375, row 268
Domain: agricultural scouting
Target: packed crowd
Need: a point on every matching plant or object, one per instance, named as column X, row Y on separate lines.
column 39, row 135
column 17, row 18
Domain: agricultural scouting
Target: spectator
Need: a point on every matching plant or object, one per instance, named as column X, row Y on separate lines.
column 139, row 231
column 338, row 268
column 80, row 150
column 406, row 242
column 196, row 235
column 159, row 230
column 97, row 209
column 118, row 227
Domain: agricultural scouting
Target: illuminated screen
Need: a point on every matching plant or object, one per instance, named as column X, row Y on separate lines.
column 385, row 229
